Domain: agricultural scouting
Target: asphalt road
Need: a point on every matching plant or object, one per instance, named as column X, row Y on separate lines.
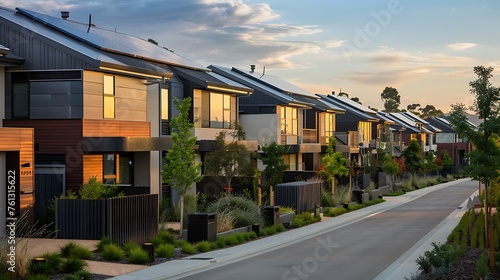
column 361, row 250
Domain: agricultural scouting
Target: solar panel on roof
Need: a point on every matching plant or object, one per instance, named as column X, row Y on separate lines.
column 112, row 41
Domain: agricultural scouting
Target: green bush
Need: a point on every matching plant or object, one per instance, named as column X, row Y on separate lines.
column 163, row 237
column 51, row 266
column 188, row 248
column 244, row 210
column 482, row 268
column 94, row 189
column 67, row 248
column 138, row 256
column 104, row 241
column 333, row 212
column 72, row 265
column 165, row 251
column 111, row 252
column 203, row 246
column 129, row 246
column 37, row 277
column 40, row 268
column 79, row 275
column 75, row 250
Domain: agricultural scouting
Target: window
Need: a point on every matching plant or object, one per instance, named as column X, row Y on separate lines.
column 20, row 100
column 329, row 126
column 164, row 104
column 109, row 168
column 109, row 97
column 220, row 110
column 291, row 161
column 289, row 120
column 365, row 130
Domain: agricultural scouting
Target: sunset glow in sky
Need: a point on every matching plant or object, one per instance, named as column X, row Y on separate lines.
column 425, row 49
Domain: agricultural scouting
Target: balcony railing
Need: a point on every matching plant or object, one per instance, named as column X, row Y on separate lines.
column 165, row 127
column 309, row 136
column 347, row 138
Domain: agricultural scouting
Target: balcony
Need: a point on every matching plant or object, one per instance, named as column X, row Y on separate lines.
column 309, row 136
column 289, row 139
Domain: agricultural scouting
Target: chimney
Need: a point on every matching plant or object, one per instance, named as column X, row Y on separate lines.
column 252, row 68
column 64, row 14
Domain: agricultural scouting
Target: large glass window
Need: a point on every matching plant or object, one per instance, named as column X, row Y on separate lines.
column 20, row 100
column 218, row 110
column 365, row 130
column 164, row 104
column 289, row 120
column 109, row 97
column 109, row 168
column 291, row 161
column 329, row 126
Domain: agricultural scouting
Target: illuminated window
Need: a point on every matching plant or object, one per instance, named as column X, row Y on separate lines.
column 289, row 120
column 365, row 130
column 218, row 110
column 109, row 97
column 329, row 125
column 164, row 104
column 291, row 161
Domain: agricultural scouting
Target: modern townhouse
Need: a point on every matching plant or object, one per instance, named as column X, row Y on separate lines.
column 16, row 156
column 356, row 129
column 392, row 134
column 416, row 129
column 282, row 112
column 449, row 140
column 99, row 102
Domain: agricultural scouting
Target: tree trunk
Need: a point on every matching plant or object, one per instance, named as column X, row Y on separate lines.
column 259, row 196
column 181, row 205
column 333, row 187
column 271, row 196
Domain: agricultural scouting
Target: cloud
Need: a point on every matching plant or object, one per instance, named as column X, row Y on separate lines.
column 460, row 46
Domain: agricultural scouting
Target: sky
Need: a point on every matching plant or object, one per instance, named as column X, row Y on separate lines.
column 425, row 49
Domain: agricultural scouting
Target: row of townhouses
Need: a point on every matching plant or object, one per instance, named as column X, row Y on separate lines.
column 79, row 101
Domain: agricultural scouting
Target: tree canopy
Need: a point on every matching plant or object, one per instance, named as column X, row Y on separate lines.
column 334, row 163
column 391, row 99
column 272, row 158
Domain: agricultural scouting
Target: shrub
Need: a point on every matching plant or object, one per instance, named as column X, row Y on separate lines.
column 104, row 241
column 165, row 251
column 203, row 246
column 79, row 275
column 482, row 269
column 129, row 246
column 37, row 277
column 111, row 252
column 72, row 265
column 94, row 189
column 221, row 242
column 67, row 248
column 40, row 268
column 163, row 237
column 244, row 210
column 188, row 248
column 333, row 212
column 284, row 209
column 138, row 256
column 51, row 266
column 225, row 221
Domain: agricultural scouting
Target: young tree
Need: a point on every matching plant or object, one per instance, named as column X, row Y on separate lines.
column 334, row 163
column 181, row 170
column 272, row 158
column 230, row 158
column 446, row 161
column 391, row 167
column 430, row 164
column 484, row 164
column 391, row 99
column 413, row 160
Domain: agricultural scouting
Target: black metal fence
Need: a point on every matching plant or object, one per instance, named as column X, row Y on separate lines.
column 301, row 195
column 123, row 219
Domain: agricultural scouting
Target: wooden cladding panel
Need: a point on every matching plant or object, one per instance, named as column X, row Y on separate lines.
column 92, row 166
column 63, row 137
column 114, row 128
column 20, row 139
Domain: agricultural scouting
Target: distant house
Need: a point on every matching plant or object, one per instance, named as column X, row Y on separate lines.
column 417, row 129
column 449, row 140
column 16, row 155
column 356, row 129
column 391, row 134
column 282, row 112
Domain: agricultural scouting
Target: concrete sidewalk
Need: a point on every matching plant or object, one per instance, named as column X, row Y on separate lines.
column 400, row 269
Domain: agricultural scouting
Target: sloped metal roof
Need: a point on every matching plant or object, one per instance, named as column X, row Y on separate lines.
column 346, row 104
column 96, row 57
column 111, row 41
column 276, row 82
column 3, row 49
column 206, row 78
column 248, row 81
